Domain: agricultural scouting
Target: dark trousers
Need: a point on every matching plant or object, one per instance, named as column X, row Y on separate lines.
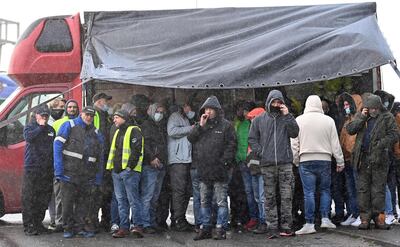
column 238, row 198
column 37, row 187
column 164, row 205
column 298, row 200
column 75, row 199
column 371, row 187
column 181, row 189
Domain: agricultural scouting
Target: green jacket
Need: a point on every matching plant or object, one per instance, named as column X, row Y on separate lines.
column 242, row 133
column 383, row 136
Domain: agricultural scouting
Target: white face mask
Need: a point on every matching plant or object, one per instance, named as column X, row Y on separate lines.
column 386, row 104
column 158, row 116
column 347, row 110
column 190, row 114
column 106, row 108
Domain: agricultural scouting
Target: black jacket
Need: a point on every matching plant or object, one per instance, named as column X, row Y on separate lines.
column 214, row 146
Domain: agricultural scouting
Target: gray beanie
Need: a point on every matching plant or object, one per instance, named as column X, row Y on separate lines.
column 372, row 101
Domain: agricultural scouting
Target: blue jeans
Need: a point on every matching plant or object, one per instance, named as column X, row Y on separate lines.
column 148, row 186
column 196, row 196
column 352, row 203
column 156, row 195
column 126, row 189
column 220, row 191
column 311, row 172
column 259, row 195
column 388, row 202
column 248, row 188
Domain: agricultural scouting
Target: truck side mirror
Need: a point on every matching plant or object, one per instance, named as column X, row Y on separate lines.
column 3, row 136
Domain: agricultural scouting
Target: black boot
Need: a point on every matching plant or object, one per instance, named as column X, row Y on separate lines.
column 203, row 234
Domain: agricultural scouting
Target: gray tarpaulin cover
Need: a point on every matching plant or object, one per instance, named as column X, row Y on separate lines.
column 233, row 47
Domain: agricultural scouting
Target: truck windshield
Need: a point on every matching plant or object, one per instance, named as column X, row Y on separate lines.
column 9, row 99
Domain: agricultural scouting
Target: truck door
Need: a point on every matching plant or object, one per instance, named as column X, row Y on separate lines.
column 12, row 147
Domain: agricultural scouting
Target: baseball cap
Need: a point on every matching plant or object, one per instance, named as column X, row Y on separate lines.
column 89, row 110
column 98, row 96
column 43, row 110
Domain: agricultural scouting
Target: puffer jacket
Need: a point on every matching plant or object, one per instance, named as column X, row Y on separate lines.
column 214, row 145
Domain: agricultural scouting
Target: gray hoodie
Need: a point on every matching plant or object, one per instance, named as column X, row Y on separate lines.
column 270, row 134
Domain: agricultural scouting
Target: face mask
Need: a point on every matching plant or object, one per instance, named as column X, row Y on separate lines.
column 275, row 109
column 373, row 114
column 158, row 116
column 190, row 114
column 347, row 110
column 56, row 113
column 386, row 104
column 106, row 108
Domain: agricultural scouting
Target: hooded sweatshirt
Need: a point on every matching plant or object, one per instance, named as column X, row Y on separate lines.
column 214, row 145
column 318, row 139
column 270, row 134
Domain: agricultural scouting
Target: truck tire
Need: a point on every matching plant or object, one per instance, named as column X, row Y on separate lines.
column 1, row 205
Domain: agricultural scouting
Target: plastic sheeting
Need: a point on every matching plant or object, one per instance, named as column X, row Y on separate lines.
column 233, row 47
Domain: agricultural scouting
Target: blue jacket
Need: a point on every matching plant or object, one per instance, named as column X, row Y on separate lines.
column 39, row 146
column 63, row 134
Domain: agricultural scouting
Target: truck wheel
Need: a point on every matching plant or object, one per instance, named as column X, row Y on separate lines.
column 1, row 205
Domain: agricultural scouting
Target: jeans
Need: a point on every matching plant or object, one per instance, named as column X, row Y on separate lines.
column 259, row 195
column 156, row 195
column 126, row 189
column 388, row 202
column 248, row 187
column 311, row 172
column 196, row 196
column 148, row 186
column 220, row 191
column 352, row 203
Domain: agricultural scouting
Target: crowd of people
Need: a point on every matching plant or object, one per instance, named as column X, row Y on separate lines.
column 141, row 162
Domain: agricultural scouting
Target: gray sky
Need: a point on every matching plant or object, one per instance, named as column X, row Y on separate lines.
column 27, row 11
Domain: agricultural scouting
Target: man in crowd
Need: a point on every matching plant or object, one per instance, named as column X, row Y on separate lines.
column 376, row 133
column 125, row 161
column 78, row 165
column 179, row 162
column 37, row 183
column 269, row 139
column 313, row 148
column 214, row 146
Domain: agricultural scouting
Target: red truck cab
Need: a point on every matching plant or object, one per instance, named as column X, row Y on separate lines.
column 46, row 62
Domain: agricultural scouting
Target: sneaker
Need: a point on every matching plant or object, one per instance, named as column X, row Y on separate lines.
column 220, row 234
column 203, row 234
column 308, row 228
column 114, row 228
column 251, row 225
column 183, row 226
column 390, row 219
column 52, row 226
column 121, row 233
column 357, row 222
column 68, row 234
column 286, row 233
column 137, row 232
column 85, row 234
column 337, row 219
column 31, row 231
column 239, row 228
column 43, row 230
column 326, row 223
column 348, row 221
column 261, row 229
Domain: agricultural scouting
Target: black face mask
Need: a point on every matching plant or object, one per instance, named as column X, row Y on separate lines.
column 56, row 113
column 275, row 109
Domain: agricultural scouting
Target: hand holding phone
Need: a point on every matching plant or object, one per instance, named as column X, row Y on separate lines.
column 284, row 109
column 364, row 111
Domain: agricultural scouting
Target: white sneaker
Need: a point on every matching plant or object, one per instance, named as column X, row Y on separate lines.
column 348, row 221
column 357, row 222
column 390, row 219
column 327, row 223
column 114, row 228
column 307, row 229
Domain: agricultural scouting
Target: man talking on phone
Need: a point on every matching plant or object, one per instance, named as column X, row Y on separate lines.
column 376, row 132
column 269, row 139
column 214, row 149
